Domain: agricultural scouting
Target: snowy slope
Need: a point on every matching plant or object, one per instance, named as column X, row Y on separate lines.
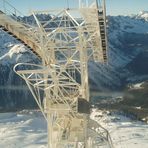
column 22, row 130
column 143, row 15
column 27, row 129
column 125, row 132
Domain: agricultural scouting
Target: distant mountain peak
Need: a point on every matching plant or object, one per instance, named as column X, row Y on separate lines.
column 143, row 14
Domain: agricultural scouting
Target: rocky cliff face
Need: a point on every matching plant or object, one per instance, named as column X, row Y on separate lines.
column 127, row 63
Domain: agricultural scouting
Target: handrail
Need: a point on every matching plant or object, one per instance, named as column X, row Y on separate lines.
column 107, row 136
column 10, row 10
column 102, row 133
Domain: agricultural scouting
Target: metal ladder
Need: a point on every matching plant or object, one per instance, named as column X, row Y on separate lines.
column 98, row 39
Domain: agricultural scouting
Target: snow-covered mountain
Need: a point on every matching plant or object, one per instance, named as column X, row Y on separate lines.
column 127, row 63
column 13, row 91
column 143, row 15
column 128, row 51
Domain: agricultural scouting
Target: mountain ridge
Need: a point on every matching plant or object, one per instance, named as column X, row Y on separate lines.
column 128, row 44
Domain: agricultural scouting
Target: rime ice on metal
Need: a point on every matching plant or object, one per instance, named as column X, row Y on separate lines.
column 65, row 40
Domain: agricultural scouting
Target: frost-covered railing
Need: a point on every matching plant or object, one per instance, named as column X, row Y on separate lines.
column 100, row 136
column 17, row 25
column 10, row 10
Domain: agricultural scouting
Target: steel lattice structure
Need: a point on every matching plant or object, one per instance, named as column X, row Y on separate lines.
column 65, row 41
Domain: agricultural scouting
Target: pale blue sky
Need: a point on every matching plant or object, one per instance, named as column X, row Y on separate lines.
column 114, row 7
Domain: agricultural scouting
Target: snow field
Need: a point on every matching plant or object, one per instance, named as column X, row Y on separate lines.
column 27, row 129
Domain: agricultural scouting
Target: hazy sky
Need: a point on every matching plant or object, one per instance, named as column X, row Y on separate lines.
column 114, row 7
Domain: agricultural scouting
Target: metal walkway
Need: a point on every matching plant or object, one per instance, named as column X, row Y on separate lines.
column 20, row 31
column 96, row 27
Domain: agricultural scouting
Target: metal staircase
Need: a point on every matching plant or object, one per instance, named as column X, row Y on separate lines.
column 96, row 27
column 15, row 27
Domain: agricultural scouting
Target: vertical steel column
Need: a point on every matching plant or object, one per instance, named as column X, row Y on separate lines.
column 84, row 79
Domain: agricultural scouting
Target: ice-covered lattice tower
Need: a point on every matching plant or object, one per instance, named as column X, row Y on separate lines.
column 65, row 40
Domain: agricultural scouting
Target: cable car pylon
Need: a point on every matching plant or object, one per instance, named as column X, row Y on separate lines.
column 65, row 42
